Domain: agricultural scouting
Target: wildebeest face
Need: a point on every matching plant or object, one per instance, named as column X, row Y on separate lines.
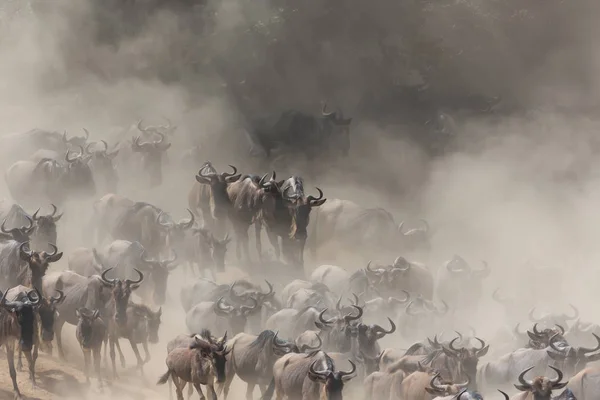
column 219, row 360
column 86, row 325
column 121, row 291
column 159, row 274
column 218, row 250
column 153, row 320
column 47, row 312
column 38, row 262
column 338, row 129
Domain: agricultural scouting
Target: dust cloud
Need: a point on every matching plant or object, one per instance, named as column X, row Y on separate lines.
column 518, row 187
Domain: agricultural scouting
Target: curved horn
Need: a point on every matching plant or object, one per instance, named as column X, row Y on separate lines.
column 54, row 210
column 503, row 394
column 535, row 330
column 320, row 374
column 227, row 174
column 349, row 317
column 34, row 216
column 559, row 375
column 140, row 279
column 522, row 380
column 496, row 296
column 587, row 350
column 451, row 345
column 425, row 225
column 22, row 250
column 104, row 279
column 271, row 291
column 346, row 373
column 532, row 316
column 67, row 159
column 140, row 127
column 59, row 298
column 105, row 146
column 567, row 317
column 246, row 309
column 383, row 332
column 34, row 300
column 324, row 321
column 324, row 111
column 312, row 199
column 551, row 344
column 317, row 346
column 562, row 330
column 190, row 223
column 434, row 386
column 219, row 309
column 30, row 221
column 3, row 227
column 87, row 135
column 54, row 248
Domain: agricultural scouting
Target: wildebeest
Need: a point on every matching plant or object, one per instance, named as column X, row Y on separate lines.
column 208, row 197
column 295, row 377
column 220, row 316
column 249, row 196
column 297, row 132
column 554, row 319
column 289, row 219
column 209, row 252
column 92, row 293
column 43, row 227
column 202, row 363
column 90, row 333
column 49, row 181
column 540, row 388
column 103, row 169
column 460, row 284
column 17, row 324
column 152, row 155
column 107, row 214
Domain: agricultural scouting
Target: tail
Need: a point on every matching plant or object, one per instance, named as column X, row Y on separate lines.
column 163, row 379
column 270, row 390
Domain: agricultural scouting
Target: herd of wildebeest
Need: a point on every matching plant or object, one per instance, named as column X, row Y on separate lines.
column 379, row 332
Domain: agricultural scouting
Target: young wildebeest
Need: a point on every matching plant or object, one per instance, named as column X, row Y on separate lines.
column 17, row 324
column 209, row 252
column 142, row 327
column 201, row 363
column 90, row 332
column 295, row 377
column 152, row 154
column 45, row 230
column 103, row 169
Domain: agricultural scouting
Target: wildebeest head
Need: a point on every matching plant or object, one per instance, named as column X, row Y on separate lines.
column 338, row 129
column 152, row 153
column 541, row 386
column 168, row 130
column 467, row 357
column 421, row 307
column 368, row 335
column 573, row 359
column 236, row 315
column 21, row 234
column 38, row 262
column 554, row 319
column 159, row 274
column 101, row 162
column 121, row 291
column 45, row 228
column 461, row 269
column 22, row 312
column 332, row 380
column 215, row 352
column 75, row 141
column 260, row 297
column 341, row 329
column 218, row 250
column 444, row 388
column 175, row 231
column 48, row 313
column 77, row 176
column 542, row 339
column 152, row 322
column 207, row 175
column 85, row 325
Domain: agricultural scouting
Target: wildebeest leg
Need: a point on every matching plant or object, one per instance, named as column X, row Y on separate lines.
column 148, row 357
column 198, row 389
column 57, row 330
column 31, row 359
column 121, row 356
column 86, row 367
column 178, row 387
column 113, row 356
column 190, row 390
column 249, row 390
column 20, row 360
column 257, row 232
column 274, row 239
column 10, row 356
column 96, row 354
column 136, row 351
column 211, row 390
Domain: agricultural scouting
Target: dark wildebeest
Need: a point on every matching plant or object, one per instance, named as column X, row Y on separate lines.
column 116, row 315
column 152, row 154
column 249, row 197
column 48, row 181
column 103, row 169
column 202, row 363
column 290, row 218
column 295, row 377
column 92, row 292
column 90, row 333
column 297, row 132
column 17, row 323
column 209, row 252
column 208, row 197
column 539, row 388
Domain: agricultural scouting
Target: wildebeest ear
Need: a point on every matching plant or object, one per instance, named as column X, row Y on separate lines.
column 202, row 180
column 317, row 203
